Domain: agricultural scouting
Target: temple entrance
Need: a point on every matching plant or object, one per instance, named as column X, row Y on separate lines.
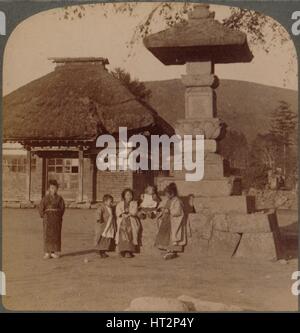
column 65, row 171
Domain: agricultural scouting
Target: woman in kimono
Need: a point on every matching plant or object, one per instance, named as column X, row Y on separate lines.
column 171, row 235
column 105, row 227
column 128, row 225
column 51, row 209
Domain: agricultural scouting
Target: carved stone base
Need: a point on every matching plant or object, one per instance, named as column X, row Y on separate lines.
column 211, row 128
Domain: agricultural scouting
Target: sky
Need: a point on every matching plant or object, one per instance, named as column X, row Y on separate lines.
column 47, row 35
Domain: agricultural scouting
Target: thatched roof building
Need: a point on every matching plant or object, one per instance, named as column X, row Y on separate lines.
column 79, row 100
column 58, row 118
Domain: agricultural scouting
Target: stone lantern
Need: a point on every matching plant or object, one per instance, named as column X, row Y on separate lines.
column 200, row 43
column 226, row 219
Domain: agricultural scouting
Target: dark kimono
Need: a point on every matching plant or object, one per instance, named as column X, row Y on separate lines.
column 51, row 209
column 128, row 228
column 105, row 229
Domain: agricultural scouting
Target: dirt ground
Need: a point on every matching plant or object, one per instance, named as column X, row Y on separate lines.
column 81, row 281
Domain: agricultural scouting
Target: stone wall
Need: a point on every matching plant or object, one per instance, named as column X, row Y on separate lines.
column 271, row 199
column 254, row 235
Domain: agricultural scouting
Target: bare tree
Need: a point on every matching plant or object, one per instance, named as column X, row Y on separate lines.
column 255, row 24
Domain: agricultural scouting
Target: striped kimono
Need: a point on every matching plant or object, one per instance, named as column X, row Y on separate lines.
column 51, row 209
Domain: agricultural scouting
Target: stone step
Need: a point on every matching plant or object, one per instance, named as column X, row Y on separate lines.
column 233, row 222
column 205, row 188
column 265, row 245
column 225, row 204
column 252, row 223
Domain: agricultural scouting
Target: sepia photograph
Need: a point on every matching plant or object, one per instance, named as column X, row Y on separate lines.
column 149, row 160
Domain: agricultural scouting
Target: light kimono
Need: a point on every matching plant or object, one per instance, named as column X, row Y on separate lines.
column 172, row 225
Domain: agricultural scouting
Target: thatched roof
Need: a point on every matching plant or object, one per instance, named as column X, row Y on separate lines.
column 201, row 38
column 78, row 100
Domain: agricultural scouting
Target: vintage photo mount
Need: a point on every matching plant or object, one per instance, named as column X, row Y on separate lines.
column 287, row 13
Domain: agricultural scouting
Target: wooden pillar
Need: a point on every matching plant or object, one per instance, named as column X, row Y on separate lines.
column 28, row 176
column 94, row 179
column 44, row 176
column 80, row 175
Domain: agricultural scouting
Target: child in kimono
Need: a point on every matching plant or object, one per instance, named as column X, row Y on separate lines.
column 51, row 209
column 149, row 203
column 171, row 235
column 105, row 226
column 128, row 237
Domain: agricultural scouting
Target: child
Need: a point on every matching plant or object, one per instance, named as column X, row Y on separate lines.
column 171, row 235
column 105, row 227
column 149, row 204
column 128, row 237
column 51, row 209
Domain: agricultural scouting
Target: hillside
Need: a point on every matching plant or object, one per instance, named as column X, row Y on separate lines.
column 244, row 106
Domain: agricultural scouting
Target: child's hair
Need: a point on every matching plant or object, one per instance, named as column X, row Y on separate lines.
column 171, row 189
column 53, row 182
column 107, row 197
column 125, row 191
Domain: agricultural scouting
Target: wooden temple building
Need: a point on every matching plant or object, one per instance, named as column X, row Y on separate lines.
column 56, row 120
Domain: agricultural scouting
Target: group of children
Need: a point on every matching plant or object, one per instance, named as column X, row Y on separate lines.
column 123, row 228
column 120, row 226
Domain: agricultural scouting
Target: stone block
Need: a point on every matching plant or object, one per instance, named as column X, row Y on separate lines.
column 198, row 246
column 265, row 245
column 199, row 67
column 205, row 187
column 80, row 205
column 213, row 158
column 198, row 80
column 223, row 243
column 200, row 226
column 287, row 217
column 239, row 204
column 252, row 223
column 199, row 102
column 213, row 171
column 84, row 205
column 201, row 305
column 12, row 204
column 27, row 204
column 158, row 304
column 209, row 127
column 213, row 166
column 220, row 222
column 210, row 146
